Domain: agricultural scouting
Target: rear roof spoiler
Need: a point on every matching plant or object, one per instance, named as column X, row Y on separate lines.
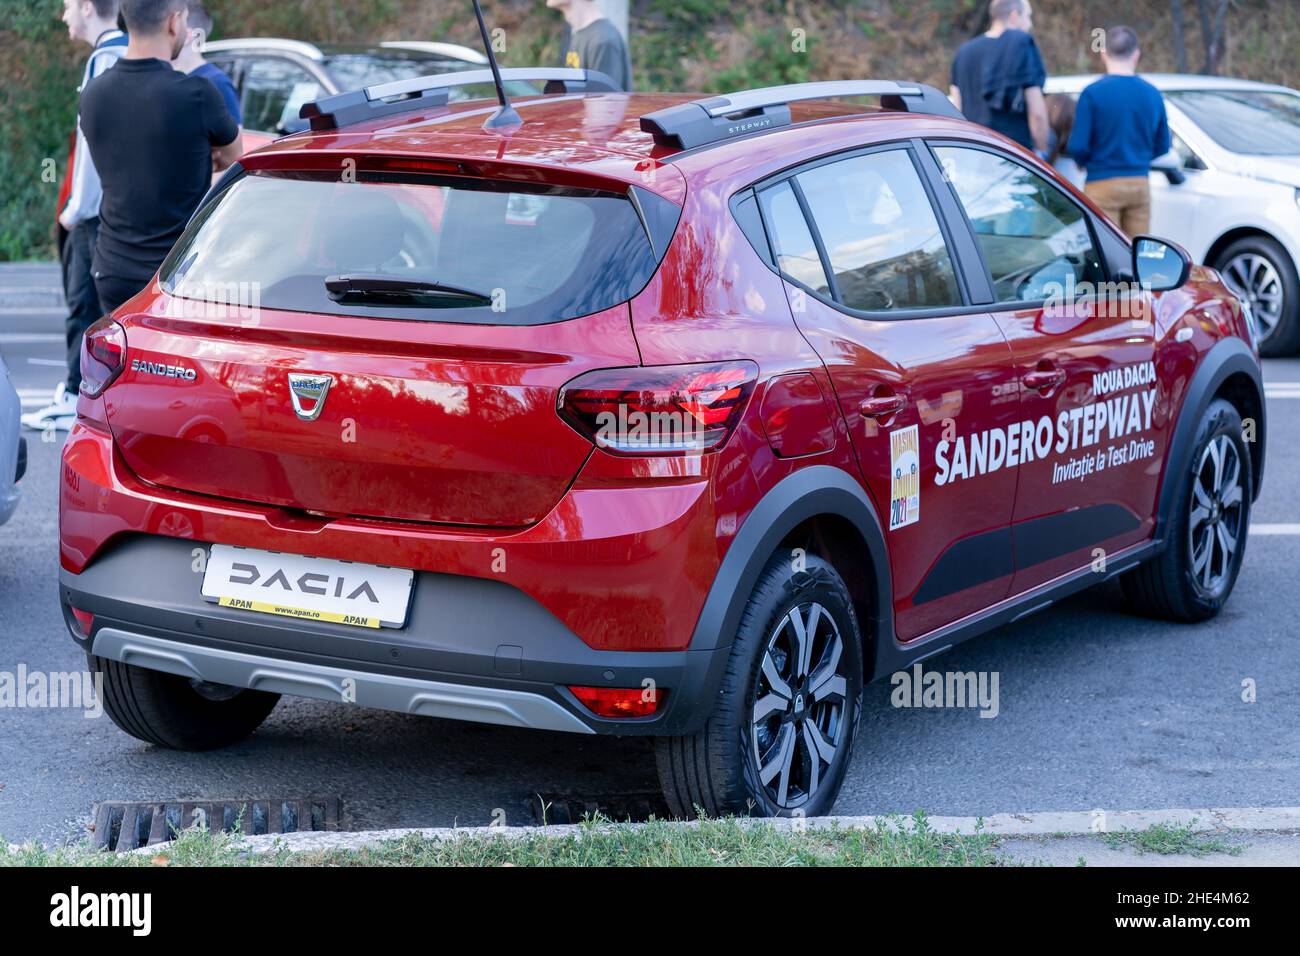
column 720, row 118
column 403, row 96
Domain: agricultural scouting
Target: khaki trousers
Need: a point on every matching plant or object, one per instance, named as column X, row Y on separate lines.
column 1126, row 199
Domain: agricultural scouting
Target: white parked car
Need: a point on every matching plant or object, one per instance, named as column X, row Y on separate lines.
column 275, row 77
column 1229, row 190
column 13, row 447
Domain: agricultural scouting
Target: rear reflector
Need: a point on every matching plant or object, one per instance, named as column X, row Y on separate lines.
column 85, row 621
column 620, row 701
column 661, row 410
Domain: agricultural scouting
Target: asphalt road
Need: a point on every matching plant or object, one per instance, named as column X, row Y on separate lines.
column 1098, row 709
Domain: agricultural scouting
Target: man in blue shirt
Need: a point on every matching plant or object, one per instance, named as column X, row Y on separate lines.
column 191, row 61
column 998, row 76
column 1120, row 126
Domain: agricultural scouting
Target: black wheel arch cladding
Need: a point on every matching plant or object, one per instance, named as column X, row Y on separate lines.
column 1227, row 358
column 811, row 492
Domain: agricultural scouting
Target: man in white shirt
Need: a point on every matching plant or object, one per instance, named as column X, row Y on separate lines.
column 93, row 22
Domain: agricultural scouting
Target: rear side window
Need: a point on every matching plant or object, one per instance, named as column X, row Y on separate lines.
column 881, row 234
column 792, row 243
column 438, row 249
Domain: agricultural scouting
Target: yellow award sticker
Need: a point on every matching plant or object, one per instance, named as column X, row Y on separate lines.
column 904, row 477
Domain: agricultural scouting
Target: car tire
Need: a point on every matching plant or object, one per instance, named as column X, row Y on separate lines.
column 739, row 765
column 1211, row 511
column 175, row 712
column 1248, row 256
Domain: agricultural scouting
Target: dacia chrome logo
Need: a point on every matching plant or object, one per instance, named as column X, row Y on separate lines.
column 250, row 575
column 308, row 394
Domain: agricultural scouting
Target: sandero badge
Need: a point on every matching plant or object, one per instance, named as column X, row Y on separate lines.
column 307, row 393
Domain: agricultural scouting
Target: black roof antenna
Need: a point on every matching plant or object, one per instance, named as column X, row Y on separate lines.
column 506, row 115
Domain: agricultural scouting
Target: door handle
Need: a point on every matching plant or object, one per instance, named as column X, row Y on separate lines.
column 881, row 406
column 1044, row 379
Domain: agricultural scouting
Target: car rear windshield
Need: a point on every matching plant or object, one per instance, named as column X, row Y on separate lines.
column 442, row 249
column 1254, row 122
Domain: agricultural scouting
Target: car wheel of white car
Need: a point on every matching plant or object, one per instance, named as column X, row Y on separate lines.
column 1262, row 275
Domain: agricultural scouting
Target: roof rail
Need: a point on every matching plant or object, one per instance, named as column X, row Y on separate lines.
column 403, row 96
column 719, row 118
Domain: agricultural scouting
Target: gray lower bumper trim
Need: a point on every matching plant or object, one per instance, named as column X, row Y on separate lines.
column 484, row 705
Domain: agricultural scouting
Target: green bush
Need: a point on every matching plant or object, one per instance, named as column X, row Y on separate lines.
column 38, row 79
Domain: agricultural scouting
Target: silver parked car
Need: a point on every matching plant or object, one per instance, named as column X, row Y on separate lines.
column 13, row 447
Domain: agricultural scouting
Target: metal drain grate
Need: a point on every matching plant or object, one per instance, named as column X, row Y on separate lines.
column 621, row 808
column 129, row 825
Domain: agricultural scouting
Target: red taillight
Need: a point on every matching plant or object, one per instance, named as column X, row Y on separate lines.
column 662, row 410
column 103, row 356
column 620, row 701
column 85, row 621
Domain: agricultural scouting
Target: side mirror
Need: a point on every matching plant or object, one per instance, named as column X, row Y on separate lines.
column 1171, row 164
column 1160, row 265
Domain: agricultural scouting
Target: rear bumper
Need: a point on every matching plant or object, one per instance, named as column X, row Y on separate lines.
column 473, row 649
column 625, row 563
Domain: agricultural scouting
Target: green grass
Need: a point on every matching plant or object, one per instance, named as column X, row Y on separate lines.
column 709, row 843
column 1168, row 839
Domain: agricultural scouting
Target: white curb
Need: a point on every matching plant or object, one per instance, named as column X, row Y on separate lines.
column 1051, row 823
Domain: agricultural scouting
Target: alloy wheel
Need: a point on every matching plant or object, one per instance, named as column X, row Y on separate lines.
column 1255, row 280
column 800, row 713
column 1216, row 524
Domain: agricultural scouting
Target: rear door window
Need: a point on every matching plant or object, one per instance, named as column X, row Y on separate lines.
column 877, row 229
column 435, row 249
column 881, row 234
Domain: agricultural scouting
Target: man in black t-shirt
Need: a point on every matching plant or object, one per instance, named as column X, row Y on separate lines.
column 155, row 135
column 998, row 77
column 593, row 42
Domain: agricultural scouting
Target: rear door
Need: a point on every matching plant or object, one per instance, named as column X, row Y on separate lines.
column 924, row 378
column 1085, row 355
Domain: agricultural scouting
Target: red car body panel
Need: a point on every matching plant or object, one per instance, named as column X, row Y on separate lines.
column 466, row 468
column 431, row 422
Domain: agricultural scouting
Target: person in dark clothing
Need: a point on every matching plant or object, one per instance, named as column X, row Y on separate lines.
column 92, row 22
column 191, row 61
column 157, row 168
column 593, row 42
column 1120, row 126
column 998, row 76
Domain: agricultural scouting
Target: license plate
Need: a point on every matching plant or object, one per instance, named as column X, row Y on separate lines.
column 313, row 589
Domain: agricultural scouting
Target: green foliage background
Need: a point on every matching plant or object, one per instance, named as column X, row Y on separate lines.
column 697, row 45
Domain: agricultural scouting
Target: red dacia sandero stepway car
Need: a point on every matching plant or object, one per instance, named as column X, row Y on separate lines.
column 640, row 414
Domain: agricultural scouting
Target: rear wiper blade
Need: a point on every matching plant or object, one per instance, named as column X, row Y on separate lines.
column 380, row 286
